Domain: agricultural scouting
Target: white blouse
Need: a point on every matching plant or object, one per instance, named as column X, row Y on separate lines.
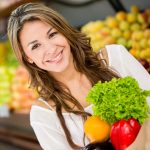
column 45, row 123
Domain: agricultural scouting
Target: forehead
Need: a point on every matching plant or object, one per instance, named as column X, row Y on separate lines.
column 33, row 30
column 35, row 25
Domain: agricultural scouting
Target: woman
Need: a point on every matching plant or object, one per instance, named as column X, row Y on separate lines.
column 63, row 68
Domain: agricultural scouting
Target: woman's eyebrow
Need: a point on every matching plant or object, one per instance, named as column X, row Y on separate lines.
column 32, row 42
column 49, row 31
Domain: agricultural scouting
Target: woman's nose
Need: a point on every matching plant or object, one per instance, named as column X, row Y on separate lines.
column 50, row 51
column 50, row 48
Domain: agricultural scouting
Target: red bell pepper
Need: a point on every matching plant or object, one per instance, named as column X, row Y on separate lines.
column 123, row 133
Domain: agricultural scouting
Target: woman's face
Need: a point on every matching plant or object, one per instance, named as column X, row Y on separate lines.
column 45, row 46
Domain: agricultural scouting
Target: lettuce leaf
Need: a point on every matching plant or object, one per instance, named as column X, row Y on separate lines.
column 119, row 99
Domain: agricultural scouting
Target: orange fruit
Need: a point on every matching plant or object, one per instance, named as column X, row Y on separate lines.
column 96, row 130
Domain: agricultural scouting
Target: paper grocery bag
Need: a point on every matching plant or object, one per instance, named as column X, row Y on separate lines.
column 142, row 141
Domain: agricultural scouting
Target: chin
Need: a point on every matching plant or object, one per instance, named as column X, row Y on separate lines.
column 61, row 69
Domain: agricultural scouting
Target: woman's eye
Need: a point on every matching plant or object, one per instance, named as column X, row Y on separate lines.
column 35, row 46
column 52, row 34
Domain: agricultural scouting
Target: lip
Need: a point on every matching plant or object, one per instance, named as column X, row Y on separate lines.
column 55, row 60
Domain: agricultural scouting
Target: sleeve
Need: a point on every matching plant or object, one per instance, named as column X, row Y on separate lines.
column 50, row 139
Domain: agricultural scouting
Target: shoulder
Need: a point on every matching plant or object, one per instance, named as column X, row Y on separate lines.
column 116, row 52
column 44, row 104
column 40, row 102
column 108, row 51
column 115, row 49
column 41, row 110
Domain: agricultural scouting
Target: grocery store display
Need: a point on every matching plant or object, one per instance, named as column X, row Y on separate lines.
column 130, row 29
column 22, row 97
column 5, row 82
column 3, row 52
column 14, row 91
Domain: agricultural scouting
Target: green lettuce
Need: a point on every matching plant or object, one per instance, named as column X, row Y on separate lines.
column 119, row 99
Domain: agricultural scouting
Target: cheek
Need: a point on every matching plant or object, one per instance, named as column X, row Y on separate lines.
column 36, row 58
column 63, row 41
column 67, row 47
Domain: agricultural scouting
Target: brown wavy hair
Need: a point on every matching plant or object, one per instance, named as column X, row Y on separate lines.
column 85, row 60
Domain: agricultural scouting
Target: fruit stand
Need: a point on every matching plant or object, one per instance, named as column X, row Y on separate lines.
column 130, row 29
column 15, row 102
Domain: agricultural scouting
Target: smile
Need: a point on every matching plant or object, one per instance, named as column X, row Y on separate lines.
column 56, row 59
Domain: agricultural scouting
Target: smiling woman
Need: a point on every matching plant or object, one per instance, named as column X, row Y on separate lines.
column 63, row 68
column 47, row 48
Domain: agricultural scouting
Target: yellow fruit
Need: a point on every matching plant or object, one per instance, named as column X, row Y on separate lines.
column 141, row 18
column 147, row 33
column 127, row 34
column 122, row 41
column 134, row 9
column 92, row 27
column 129, row 43
column 136, row 45
column 96, row 46
column 144, row 25
column 95, row 36
column 137, row 35
column 105, row 31
column 120, row 16
column 131, row 17
column 133, row 52
column 148, row 42
column 109, row 40
column 111, row 22
column 3, row 52
column 116, row 33
column 124, row 25
column 143, row 43
column 96, row 129
column 145, row 53
column 135, row 27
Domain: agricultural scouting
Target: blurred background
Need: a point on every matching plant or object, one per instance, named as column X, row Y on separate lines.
column 124, row 22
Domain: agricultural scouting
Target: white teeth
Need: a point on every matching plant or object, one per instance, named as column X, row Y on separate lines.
column 56, row 58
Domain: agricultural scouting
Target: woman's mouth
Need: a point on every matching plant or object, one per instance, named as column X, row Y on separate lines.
column 56, row 59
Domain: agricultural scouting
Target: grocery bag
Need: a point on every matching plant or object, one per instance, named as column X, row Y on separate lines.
column 142, row 141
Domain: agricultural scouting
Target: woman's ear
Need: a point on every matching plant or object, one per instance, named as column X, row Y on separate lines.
column 29, row 60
